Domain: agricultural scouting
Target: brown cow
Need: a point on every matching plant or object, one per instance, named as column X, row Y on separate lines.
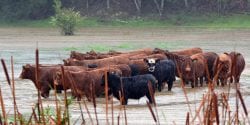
column 98, row 62
column 122, row 59
column 222, row 68
column 156, row 56
column 210, row 57
column 80, row 82
column 91, row 55
column 187, row 52
column 122, row 64
column 199, row 67
column 138, row 67
column 46, row 76
column 238, row 65
column 184, row 67
column 125, row 69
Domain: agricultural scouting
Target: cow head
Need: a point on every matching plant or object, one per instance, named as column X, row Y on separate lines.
column 151, row 63
column 27, row 71
column 66, row 62
column 111, row 75
column 222, row 66
column 72, row 54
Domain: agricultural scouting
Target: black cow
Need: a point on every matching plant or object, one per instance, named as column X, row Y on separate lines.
column 133, row 87
column 163, row 70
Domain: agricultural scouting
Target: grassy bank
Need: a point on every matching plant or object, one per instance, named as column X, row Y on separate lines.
column 181, row 20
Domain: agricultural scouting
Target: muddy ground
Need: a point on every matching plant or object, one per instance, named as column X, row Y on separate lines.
column 172, row 106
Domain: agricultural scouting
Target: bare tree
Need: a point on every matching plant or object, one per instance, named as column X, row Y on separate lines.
column 162, row 5
column 87, row 6
column 108, row 4
column 138, row 5
column 158, row 7
column 186, row 3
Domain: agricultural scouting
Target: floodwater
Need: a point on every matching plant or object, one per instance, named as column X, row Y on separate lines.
column 172, row 107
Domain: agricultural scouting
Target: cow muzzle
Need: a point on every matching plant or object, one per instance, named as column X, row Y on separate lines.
column 151, row 69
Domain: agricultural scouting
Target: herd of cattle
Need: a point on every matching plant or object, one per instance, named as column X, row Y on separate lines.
column 131, row 72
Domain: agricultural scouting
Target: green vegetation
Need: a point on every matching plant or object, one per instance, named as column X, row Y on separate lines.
column 27, row 23
column 179, row 20
column 66, row 19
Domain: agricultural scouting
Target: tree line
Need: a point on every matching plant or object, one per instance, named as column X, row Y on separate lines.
column 40, row 9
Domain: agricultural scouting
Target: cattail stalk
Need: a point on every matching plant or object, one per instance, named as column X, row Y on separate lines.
column 3, row 108
column 112, row 109
column 94, row 100
column 86, row 107
column 151, row 92
column 6, row 72
column 40, row 107
column 215, row 106
column 58, row 109
column 123, row 99
column 65, row 96
column 243, row 105
column 13, row 90
column 151, row 111
column 106, row 97
column 183, row 88
column 187, row 119
column 80, row 106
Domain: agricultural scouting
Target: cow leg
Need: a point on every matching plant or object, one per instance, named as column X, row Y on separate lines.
column 159, row 86
column 58, row 91
column 196, row 81
column 170, row 85
column 223, row 82
column 125, row 101
column 88, row 96
column 186, row 82
column 45, row 89
column 231, row 79
column 201, row 81
column 218, row 82
column 192, row 83
column 206, row 79
column 237, row 79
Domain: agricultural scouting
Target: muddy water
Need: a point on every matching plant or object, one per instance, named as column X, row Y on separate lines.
column 171, row 106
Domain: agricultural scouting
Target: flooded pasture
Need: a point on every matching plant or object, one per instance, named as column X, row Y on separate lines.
column 172, row 107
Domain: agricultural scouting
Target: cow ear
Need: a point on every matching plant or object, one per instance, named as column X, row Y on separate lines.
column 65, row 61
column 145, row 60
column 238, row 54
column 194, row 60
column 26, row 66
column 157, row 60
